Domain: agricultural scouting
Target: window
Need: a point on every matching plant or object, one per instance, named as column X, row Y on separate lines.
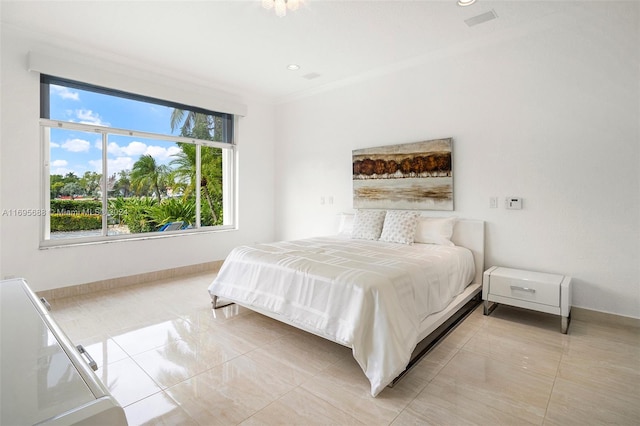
column 118, row 165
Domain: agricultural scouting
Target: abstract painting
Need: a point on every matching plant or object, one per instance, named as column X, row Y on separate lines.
column 412, row 176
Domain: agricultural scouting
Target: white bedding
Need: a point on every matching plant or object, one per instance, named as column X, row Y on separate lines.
column 367, row 295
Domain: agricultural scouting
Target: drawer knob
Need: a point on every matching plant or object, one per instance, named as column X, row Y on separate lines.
column 527, row 289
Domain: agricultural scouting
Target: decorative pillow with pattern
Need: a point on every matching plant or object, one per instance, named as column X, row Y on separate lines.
column 367, row 224
column 399, row 226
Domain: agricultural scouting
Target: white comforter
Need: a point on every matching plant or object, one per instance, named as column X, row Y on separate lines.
column 368, row 295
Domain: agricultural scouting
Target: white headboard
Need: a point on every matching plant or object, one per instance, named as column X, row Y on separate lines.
column 469, row 233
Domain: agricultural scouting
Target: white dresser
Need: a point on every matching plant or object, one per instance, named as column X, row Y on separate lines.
column 550, row 293
column 43, row 377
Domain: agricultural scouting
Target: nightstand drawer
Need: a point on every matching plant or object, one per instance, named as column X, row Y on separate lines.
column 535, row 287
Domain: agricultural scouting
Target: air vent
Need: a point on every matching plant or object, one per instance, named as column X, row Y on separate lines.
column 311, row 75
column 488, row 16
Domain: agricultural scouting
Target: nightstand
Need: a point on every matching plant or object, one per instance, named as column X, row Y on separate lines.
column 539, row 291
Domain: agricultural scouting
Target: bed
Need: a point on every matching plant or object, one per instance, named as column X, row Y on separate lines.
column 381, row 299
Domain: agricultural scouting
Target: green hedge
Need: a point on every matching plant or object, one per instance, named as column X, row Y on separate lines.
column 59, row 206
column 75, row 222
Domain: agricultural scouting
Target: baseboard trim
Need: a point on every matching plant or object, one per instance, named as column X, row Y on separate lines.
column 587, row 315
column 115, row 283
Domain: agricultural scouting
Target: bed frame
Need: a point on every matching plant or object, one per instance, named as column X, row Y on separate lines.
column 467, row 233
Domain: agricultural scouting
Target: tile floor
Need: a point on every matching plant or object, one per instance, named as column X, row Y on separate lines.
column 169, row 359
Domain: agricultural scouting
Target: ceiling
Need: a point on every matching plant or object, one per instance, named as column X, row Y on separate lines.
column 239, row 46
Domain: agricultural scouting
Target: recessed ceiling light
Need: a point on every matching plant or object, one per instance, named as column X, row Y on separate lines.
column 464, row 3
column 293, row 67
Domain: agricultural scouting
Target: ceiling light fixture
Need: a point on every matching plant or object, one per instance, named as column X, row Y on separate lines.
column 281, row 6
column 293, row 67
column 465, row 3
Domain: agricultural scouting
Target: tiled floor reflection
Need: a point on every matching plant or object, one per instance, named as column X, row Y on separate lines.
column 169, row 359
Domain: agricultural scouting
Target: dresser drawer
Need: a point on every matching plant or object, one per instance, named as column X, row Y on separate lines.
column 45, row 380
column 535, row 287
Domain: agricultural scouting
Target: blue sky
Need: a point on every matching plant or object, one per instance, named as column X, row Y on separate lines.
column 78, row 152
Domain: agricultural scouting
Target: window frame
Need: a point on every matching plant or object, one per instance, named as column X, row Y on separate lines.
column 229, row 166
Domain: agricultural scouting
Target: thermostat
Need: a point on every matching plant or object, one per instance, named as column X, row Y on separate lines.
column 514, row 203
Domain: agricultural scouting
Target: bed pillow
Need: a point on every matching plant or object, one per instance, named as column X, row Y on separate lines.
column 435, row 230
column 399, row 226
column 367, row 224
column 346, row 224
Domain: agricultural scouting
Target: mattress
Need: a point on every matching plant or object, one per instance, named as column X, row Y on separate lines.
column 370, row 296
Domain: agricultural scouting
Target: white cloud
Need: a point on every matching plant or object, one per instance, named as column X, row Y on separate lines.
column 162, row 154
column 96, row 164
column 59, row 163
column 118, row 164
column 54, row 145
column 76, row 145
column 174, row 150
column 134, row 148
column 86, row 116
column 126, row 156
column 62, row 171
column 114, row 165
column 78, row 170
column 65, row 93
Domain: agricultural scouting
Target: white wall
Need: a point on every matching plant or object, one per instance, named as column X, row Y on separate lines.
column 549, row 113
column 20, row 180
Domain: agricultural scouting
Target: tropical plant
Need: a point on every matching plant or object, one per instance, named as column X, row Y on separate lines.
column 148, row 173
column 137, row 214
column 90, row 182
column 184, row 170
column 72, row 189
column 204, row 127
column 56, row 183
column 122, row 185
column 173, row 210
column 117, row 209
column 196, row 125
column 70, row 178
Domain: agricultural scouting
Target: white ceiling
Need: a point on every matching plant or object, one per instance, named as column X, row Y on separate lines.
column 238, row 45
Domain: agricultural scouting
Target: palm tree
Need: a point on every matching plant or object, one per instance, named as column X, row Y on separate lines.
column 146, row 172
column 123, row 184
column 197, row 125
column 184, row 169
column 205, row 127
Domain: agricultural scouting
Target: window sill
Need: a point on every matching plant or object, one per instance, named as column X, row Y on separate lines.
column 53, row 244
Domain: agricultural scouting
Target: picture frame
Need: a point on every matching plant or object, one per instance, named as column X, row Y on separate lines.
column 412, row 176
